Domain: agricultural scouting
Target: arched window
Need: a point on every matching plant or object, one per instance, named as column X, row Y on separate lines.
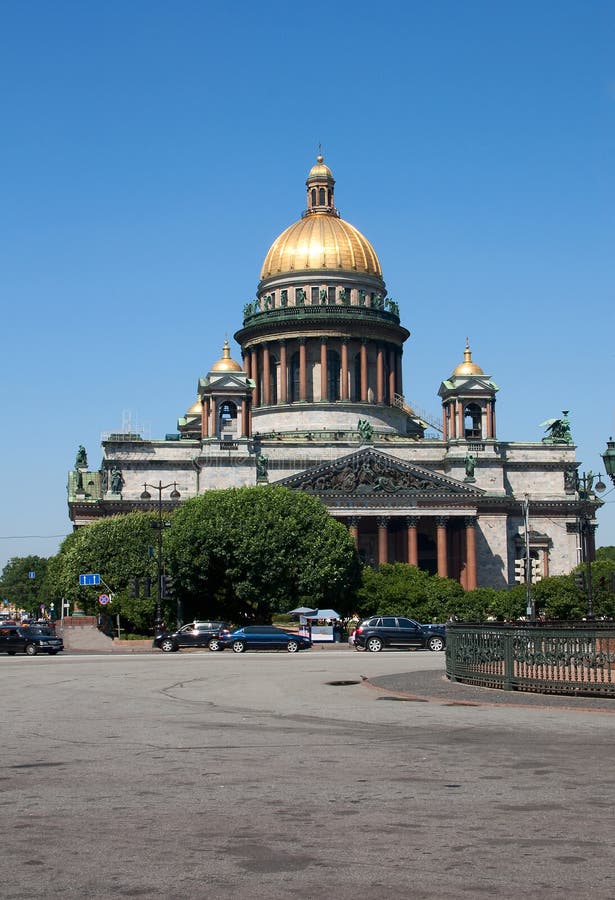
column 356, row 378
column 294, row 378
column 472, row 417
column 321, row 196
column 274, row 368
column 313, row 196
column 227, row 417
column 333, row 375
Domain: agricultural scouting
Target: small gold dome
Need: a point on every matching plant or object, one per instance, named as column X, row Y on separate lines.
column 226, row 364
column 195, row 410
column 320, row 170
column 467, row 367
column 321, row 241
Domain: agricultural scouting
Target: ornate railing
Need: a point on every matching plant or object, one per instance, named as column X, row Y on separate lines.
column 311, row 312
column 553, row 658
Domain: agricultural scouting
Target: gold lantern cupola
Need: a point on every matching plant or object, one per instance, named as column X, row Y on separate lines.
column 467, row 367
column 225, row 363
column 320, row 189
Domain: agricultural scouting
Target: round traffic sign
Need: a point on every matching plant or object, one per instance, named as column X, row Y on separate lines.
column 104, row 599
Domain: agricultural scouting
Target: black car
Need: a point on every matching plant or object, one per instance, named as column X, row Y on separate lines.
column 397, row 631
column 265, row 637
column 29, row 640
column 195, row 634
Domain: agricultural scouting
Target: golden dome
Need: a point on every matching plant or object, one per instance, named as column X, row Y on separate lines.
column 226, row 364
column 467, row 367
column 321, row 241
column 320, row 170
column 195, row 410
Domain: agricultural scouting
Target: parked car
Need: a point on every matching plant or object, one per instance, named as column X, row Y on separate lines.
column 265, row 637
column 195, row 634
column 397, row 631
column 29, row 640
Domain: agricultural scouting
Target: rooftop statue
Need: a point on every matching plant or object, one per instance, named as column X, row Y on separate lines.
column 81, row 462
column 558, row 430
column 366, row 432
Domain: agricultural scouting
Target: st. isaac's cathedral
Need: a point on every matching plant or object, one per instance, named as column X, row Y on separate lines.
column 317, row 404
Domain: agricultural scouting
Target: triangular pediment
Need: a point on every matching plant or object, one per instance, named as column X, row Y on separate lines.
column 225, row 381
column 370, row 472
column 468, row 384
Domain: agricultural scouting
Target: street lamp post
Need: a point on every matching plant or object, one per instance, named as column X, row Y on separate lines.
column 609, row 459
column 174, row 495
column 585, row 490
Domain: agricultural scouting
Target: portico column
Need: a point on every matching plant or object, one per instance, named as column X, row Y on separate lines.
column 353, row 528
column 254, row 369
column 444, row 424
column 460, row 423
column 470, row 579
column 244, row 418
column 214, row 415
column 246, row 363
column 266, row 376
column 413, row 544
column 205, row 419
column 302, row 370
column 441, row 546
column 324, row 377
column 363, row 372
column 379, row 375
column 383, row 539
column 345, row 393
column 283, row 374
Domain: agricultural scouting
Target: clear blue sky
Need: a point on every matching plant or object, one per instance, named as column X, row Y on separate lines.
column 152, row 151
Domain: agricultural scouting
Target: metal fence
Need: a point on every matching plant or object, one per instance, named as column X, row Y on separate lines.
column 552, row 658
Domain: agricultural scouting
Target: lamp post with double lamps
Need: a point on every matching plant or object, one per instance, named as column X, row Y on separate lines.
column 174, row 495
column 586, row 490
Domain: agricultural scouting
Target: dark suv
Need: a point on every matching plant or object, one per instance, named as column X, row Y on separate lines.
column 29, row 640
column 195, row 634
column 397, row 631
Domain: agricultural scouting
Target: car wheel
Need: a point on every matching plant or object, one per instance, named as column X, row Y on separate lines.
column 167, row 645
column 214, row 644
column 30, row 650
column 239, row 646
column 292, row 646
column 435, row 643
column 374, row 644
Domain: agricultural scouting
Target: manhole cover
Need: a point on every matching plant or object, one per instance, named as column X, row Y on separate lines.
column 342, row 683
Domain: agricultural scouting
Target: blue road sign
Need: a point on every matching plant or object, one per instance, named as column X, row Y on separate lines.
column 31, row 574
column 89, row 579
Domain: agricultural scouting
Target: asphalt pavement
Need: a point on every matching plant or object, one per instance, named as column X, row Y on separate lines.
column 327, row 773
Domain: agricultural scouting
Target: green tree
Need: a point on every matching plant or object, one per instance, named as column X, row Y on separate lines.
column 117, row 549
column 246, row 553
column 605, row 553
column 22, row 591
column 400, row 589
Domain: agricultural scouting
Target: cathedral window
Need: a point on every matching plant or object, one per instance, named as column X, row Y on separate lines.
column 313, row 197
column 321, row 196
column 472, row 416
column 294, row 378
column 333, row 375
column 314, row 296
column 331, row 295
